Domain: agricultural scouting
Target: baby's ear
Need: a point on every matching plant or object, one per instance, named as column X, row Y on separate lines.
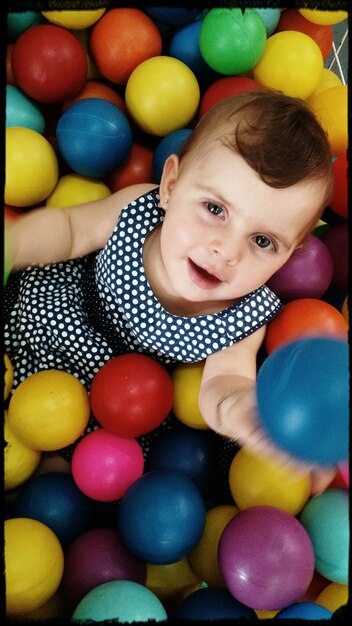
column 168, row 178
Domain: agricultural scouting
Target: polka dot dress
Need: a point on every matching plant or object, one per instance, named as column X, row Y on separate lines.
column 78, row 314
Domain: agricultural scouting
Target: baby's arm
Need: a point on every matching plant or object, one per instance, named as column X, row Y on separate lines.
column 49, row 235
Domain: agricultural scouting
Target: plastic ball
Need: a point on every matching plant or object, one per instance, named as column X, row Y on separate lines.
column 270, row 18
column 31, row 167
column 333, row 596
column 173, row 16
column 232, row 41
column 306, row 274
column 131, row 395
column 74, row 19
column 186, row 379
column 304, row 610
column 224, row 88
column 324, row 17
column 162, row 95
column 121, row 600
column 161, row 517
column 104, row 466
column 170, row 144
column 326, row 519
column 20, row 462
column 339, row 200
column 299, row 387
column 76, row 189
column 56, row 501
column 49, row 410
column 305, row 317
column 328, row 80
column 94, row 558
column 331, row 110
column 121, row 40
column 344, row 310
column 184, row 45
column 292, row 62
column 266, row 558
column 212, row 603
column 172, row 582
column 292, row 19
column 34, row 563
column 191, row 452
column 8, row 376
column 22, row 111
column 49, row 64
column 261, row 480
column 335, row 238
column 94, row 137
column 136, row 169
column 18, row 22
column 97, row 89
column 204, row 557
column 345, row 472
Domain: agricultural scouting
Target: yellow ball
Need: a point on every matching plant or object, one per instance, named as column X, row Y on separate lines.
column 257, row 480
column 292, row 62
column 162, row 95
column 203, row 558
column 8, row 377
column 76, row 189
column 186, row 379
column 74, row 19
column 49, row 410
column 34, row 563
column 333, row 596
column 331, row 110
column 172, row 582
column 344, row 310
column 324, row 17
column 20, row 462
column 328, row 79
column 31, row 167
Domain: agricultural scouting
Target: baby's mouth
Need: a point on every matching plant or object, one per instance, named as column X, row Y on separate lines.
column 201, row 277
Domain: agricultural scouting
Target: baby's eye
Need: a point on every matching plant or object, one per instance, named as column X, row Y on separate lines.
column 263, row 242
column 215, row 209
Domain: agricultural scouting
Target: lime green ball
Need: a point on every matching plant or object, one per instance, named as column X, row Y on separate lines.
column 231, row 41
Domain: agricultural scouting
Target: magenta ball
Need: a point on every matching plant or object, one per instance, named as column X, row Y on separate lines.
column 266, row 558
column 104, row 465
column 336, row 240
column 94, row 558
column 306, row 274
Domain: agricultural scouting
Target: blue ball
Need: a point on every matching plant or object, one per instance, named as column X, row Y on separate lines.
column 191, row 452
column 18, row 22
column 173, row 16
column 270, row 18
column 55, row 500
column 170, row 144
column 22, row 111
column 184, row 45
column 304, row 610
column 326, row 520
column 303, row 398
column 94, row 137
column 161, row 517
column 212, row 603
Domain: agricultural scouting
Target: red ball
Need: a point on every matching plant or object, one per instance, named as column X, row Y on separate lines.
column 96, row 89
column 121, row 40
column 224, row 88
column 131, row 395
column 339, row 201
column 49, row 63
column 291, row 19
column 137, row 169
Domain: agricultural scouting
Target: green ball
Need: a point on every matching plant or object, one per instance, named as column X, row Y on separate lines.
column 231, row 41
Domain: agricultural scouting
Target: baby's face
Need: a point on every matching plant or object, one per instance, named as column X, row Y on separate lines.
column 225, row 231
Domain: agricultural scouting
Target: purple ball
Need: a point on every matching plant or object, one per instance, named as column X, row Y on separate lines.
column 96, row 557
column 336, row 240
column 306, row 274
column 266, row 558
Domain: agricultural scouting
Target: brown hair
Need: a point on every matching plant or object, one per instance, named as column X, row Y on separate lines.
column 277, row 135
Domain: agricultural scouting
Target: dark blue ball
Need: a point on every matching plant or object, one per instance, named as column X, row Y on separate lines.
column 173, row 16
column 212, row 603
column 161, row 517
column 55, row 500
column 304, row 610
column 94, row 137
column 170, row 144
column 184, row 45
column 303, row 398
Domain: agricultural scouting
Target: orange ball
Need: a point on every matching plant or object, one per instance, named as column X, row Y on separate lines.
column 137, row 169
column 95, row 89
column 304, row 317
column 331, row 109
column 121, row 40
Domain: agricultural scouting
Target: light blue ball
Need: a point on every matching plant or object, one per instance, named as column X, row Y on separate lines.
column 326, row 520
column 122, row 600
column 22, row 111
column 170, row 144
column 270, row 18
column 304, row 610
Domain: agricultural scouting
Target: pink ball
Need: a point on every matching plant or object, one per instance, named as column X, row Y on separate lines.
column 94, row 558
column 306, row 274
column 104, row 466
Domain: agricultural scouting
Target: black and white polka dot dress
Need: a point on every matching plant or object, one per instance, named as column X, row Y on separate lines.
column 78, row 314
